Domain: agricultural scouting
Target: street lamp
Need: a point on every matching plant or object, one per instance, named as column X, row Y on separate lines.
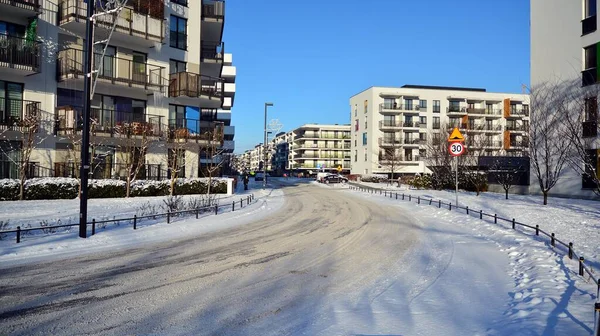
column 265, row 148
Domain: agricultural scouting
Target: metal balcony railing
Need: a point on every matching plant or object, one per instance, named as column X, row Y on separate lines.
column 195, row 130
column 456, row 109
column 515, row 112
column 115, row 70
column 412, row 141
column 113, row 122
column 140, row 18
column 212, row 51
column 389, row 123
column 20, row 53
column 194, row 85
column 517, row 128
column 411, row 124
column 19, row 113
column 33, row 5
column 213, row 9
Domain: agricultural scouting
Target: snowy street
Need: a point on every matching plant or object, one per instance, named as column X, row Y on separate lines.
column 328, row 261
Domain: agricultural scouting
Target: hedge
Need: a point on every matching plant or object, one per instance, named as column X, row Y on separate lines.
column 68, row 188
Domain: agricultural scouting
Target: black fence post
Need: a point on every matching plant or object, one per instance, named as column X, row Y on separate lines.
column 418, row 199
column 480, row 214
column 403, row 196
column 495, row 218
column 430, row 201
column 241, row 203
column 391, row 194
column 467, row 208
column 537, row 230
column 18, row 234
column 552, row 240
column 197, row 213
column 233, row 206
column 135, row 222
column 440, row 204
column 513, row 223
column 216, row 209
column 570, row 250
column 93, row 226
column 450, row 206
column 385, row 193
column 396, row 195
column 410, row 198
column 168, row 217
column 581, row 266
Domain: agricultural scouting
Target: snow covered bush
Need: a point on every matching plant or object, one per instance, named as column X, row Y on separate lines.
column 106, row 188
column 68, row 188
column 9, row 189
column 51, row 188
column 374, row 178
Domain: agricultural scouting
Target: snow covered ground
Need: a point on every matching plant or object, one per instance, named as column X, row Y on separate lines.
column 571, row 220
column 119, row 236
column 544, row 296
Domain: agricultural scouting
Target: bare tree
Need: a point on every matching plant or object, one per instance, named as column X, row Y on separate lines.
column 550, row 102
column 438, row 159
column 176, row 150
column 474, row 173
column 390, row 155
column 506, row 173
column 212, row 150
column 133, row 148
column 581, row 132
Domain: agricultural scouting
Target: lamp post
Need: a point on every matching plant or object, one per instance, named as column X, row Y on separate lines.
column 265, row 148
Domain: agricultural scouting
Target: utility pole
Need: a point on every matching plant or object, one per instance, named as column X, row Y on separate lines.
column 85, row 137
column 265, row 148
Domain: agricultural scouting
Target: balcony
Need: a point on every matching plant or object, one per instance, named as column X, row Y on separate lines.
column 137, row 76
column 187, row 87
column 517, row 128
column 389, row 142
column 518, row 145
column 590, row 129
column 436, row 126
column 487, row 144
column 589, row 77
column 518, row 113
column 484, row 128
column 589, row 25
column 412, row 142
column 456, row 110
column 453, row 125
column 193, row 130
column 20, row 9
column 140, row 23
column 389, row 124
column 387, row 108
column 17, row 114
column 411, row 124
column 107, row 122
column 211, row 56
column 213, row 18
column 19, row 55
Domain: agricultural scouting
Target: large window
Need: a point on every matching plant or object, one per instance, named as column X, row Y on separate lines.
column 436, row 106
column 176, row 66
column 590, row 57
column 590, row 7
column 178, row 36
column 105, row 66
column 364, row 139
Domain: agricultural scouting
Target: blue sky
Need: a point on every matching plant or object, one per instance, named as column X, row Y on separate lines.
column 309, row 57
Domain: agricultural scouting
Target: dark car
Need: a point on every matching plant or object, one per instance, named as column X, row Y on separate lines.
column 335, row 179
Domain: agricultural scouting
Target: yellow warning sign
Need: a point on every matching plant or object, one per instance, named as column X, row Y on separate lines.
column 456, row 136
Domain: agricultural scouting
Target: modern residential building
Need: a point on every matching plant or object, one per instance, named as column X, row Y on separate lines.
column 568, row 52
column 392, row 126
column 307, row 149
column 164, row 82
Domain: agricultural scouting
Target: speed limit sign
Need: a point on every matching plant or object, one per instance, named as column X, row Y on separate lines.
column 456, row 148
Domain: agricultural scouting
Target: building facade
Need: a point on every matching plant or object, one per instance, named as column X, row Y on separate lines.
column 307, row 149
column 568, row 52
column 164, row 86
column 393, row 128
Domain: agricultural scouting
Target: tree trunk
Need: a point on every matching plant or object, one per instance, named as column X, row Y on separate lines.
column 209, row 184
column 22, row 187
column 545, row 197
column 128, row 191
column 506, row 191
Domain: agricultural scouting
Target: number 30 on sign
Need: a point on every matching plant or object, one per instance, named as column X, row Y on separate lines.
column 456, row 148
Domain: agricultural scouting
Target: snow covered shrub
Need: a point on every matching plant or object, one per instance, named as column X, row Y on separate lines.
column 51, row 188
column 106, row 188
column 149, row 188
column 3, row 227
column 173, row 203
column 190, row 186
column 147, row 209
column 201, row 201
column 9, row 189
column 374, row 178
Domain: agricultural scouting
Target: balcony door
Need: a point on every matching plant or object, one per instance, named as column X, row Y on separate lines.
column 139, row 67
column 106, row 65
column 11, row 102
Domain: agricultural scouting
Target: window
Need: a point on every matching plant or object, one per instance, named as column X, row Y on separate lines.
column 436, row 122
column 422, row 136
column 591, row 109
column 176, row 66
column 590, row 57
column 590, row 8
column 11, row 29
column 489, row 107
column 423, row 120
column 513, row 108
column 408, row 104
column 365, row 124
column 423, row 103
column 454, row 106
column 355, row 155
column 355, row 142
column 139, row 67
column 11, row 101
column 355, row 110
column 364, row 139
column 108, row 62
column 178, row 36
column 365, row 156
column 366, row 106
column 436, row 106
column 389, row 103
column 356, row 127
column 180, row 2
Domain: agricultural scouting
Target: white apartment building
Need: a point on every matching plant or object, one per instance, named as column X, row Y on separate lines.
column 569, row 51
column 164, row 76
column 404, row 119
column 320, row 147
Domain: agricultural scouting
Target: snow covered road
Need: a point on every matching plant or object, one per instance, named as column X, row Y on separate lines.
column 329, row 262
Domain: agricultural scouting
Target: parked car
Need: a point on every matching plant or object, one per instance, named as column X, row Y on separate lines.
column 259, row 177
column 335, row 179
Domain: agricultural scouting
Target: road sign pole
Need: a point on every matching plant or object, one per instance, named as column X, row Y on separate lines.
column 456, row 178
